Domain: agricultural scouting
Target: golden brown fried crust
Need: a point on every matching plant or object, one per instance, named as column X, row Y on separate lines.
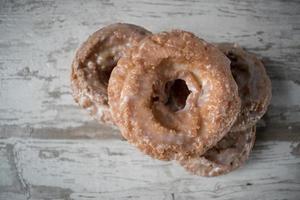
column 137, row 99
column 93, row 63
column 229, row 154
column 253, row 83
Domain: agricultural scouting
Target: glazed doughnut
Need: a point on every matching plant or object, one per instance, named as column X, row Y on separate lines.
column 253, row 83
column 203, row 93
column 229, row 154
column 94, row 62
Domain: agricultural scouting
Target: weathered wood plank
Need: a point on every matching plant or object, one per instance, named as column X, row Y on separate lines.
column 111, row 169
column 11, row 186
column 39, row 38
column 37, row 43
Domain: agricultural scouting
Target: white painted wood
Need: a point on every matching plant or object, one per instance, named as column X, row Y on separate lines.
column 76, row 158
column 39, row 38
column 112, row 169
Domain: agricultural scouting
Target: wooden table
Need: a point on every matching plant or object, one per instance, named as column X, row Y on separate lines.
column 51, row 149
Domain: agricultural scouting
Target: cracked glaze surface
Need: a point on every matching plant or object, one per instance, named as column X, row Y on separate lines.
column 254, row 85
column 140, row 78
column 95, row 60
column 228, row 154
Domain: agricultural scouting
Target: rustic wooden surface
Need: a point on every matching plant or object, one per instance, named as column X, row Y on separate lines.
column 50, row 149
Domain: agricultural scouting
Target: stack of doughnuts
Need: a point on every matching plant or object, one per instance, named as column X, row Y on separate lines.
column 173, row 95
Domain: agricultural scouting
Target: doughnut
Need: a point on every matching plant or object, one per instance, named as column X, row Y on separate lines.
column 229, row 154
column 94, row 62
column 253, row 83
column 173, row 95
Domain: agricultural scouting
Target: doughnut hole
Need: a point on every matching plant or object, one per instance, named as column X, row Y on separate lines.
column 240, row 74
column 177, row 93
column 105, row 67
column 167, row 104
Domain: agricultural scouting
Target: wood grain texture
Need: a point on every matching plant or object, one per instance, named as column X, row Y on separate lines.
column 76, row 158
column 39, row 39
column 112, row 169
